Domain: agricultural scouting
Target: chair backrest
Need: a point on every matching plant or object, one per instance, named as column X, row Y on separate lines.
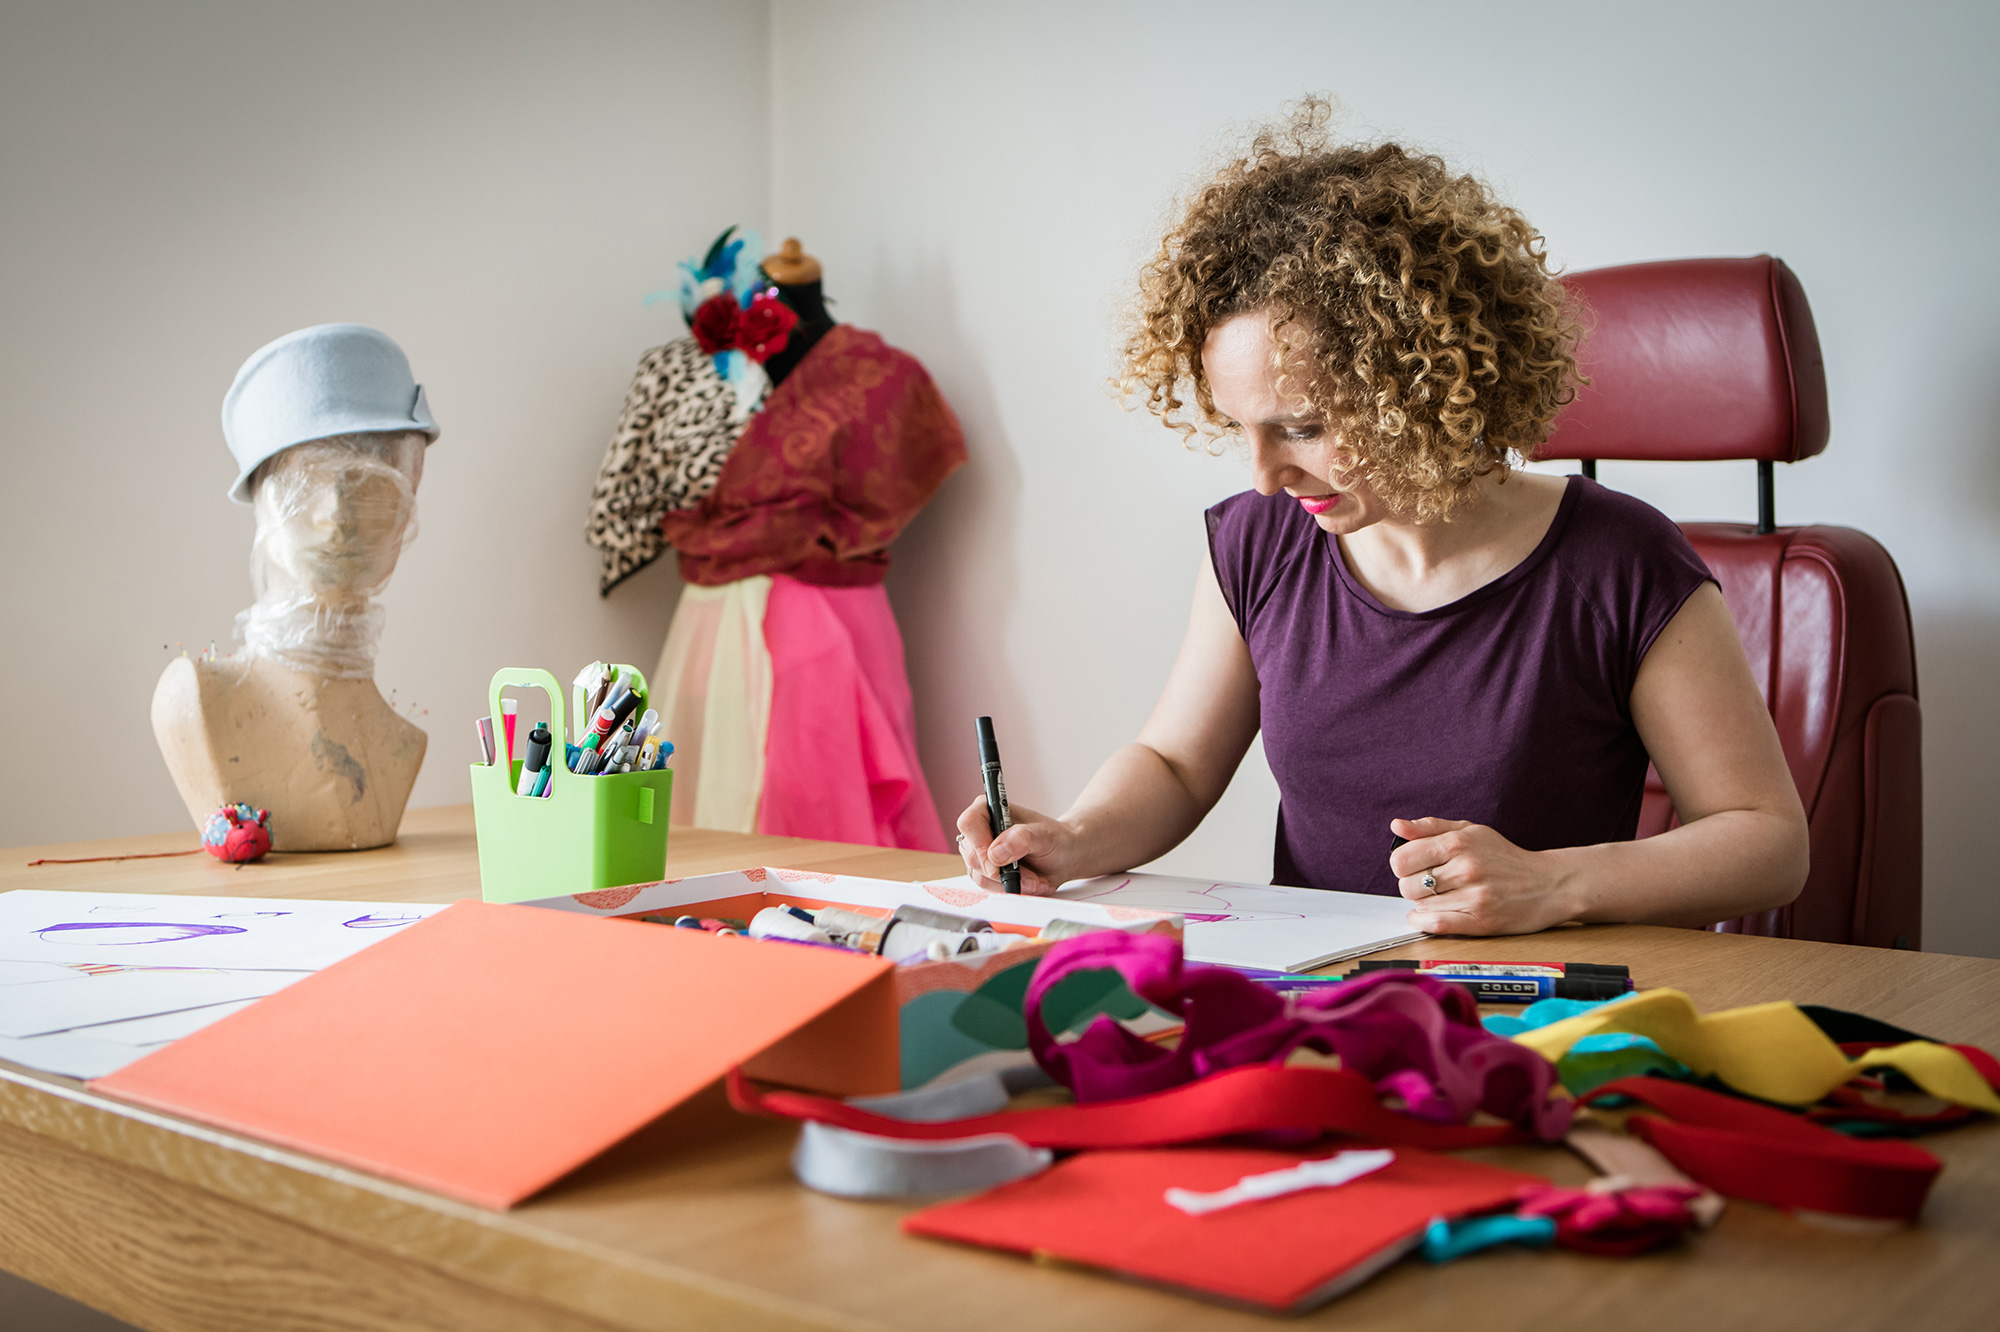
column 1717, row 359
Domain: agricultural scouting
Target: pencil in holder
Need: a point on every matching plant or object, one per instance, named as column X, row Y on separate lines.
column 586, row 833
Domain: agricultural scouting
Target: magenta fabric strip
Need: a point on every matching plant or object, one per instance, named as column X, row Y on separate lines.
column 1410, row 1035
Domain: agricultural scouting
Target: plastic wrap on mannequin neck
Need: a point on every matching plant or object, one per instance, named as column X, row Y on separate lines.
column 333, row 516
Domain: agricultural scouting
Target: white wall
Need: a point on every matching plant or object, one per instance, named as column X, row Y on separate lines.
column 496, row 185
column 982, row 183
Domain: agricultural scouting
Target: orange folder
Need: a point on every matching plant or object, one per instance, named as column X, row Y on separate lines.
column 488, row 1050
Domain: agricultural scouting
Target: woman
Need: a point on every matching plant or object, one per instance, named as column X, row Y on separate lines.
column 1460, row 669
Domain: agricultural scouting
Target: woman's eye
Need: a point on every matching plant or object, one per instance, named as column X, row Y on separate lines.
column 1302, row 433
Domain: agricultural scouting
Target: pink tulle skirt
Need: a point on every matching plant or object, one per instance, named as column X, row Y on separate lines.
column 790, row 708
column 840, row 759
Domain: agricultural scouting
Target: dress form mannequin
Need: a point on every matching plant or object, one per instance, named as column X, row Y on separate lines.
column 295, row 724
column 798, row 277
column 782, row 680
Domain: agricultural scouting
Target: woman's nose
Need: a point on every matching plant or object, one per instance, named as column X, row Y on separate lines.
column 1271, row 470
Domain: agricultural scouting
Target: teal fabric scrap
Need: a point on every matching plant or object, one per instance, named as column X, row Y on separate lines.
column 1540, row 1014
column 1584, row 1070
column 1593, row 1060
column 1445, row 1240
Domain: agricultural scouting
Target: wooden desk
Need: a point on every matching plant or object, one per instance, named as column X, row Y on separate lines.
column 697, row 1223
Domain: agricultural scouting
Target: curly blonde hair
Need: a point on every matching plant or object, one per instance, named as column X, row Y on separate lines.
column 1438, row 339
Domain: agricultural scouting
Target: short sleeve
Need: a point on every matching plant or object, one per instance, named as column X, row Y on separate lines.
column 1637, row 569
column 1249, row 543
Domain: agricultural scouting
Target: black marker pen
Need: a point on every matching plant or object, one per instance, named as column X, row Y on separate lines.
column 997, row 817
column 539, row 741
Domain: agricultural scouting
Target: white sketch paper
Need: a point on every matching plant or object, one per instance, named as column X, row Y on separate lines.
column 1260, row 926
column 119, row 995
column 72, row 1056
column 156, row 930
column 34, row 973
column 162, row 1027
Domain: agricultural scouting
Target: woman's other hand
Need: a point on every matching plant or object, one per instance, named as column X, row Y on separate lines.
column 1484, row 883
column 1041, row 844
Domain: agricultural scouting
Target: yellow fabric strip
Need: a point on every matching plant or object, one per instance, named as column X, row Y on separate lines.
column 1772, row 1051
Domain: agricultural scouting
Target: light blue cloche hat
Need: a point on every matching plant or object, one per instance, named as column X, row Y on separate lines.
column 330, row 379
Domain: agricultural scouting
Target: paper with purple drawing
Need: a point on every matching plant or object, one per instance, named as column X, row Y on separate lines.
column 119, row 995
column 1259, row 925
column 72, row 1055
column 163, row 1027
column 155, row 930
column 33, row 973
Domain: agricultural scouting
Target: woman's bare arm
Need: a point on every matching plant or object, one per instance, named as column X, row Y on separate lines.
column 1742, row 846
column 1152, row 793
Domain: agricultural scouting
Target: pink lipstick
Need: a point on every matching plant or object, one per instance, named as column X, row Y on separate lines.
column 1318, row 504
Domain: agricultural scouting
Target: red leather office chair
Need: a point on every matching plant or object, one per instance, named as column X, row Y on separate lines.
column 1718, row 358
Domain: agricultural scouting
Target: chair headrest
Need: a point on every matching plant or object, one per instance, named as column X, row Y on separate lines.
column 1695, row 359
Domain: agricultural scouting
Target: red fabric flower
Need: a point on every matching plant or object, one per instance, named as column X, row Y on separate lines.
column 765, row 327
column 715, row 323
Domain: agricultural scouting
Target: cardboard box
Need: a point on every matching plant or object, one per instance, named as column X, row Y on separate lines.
column 951, row 1016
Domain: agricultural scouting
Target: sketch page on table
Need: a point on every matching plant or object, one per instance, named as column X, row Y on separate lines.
column 31, row 973
column 157, row 930
column 162, row 1027
column 72, row 1056
column 117, row 995
column 1259, row 925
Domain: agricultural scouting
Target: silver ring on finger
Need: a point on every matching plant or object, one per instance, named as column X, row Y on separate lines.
column 1430, row 882
column 961, row 839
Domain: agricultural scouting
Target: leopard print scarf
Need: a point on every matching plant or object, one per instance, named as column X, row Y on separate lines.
column 679, row 424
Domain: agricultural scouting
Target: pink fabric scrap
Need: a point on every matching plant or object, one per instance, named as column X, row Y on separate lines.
column 1614, row 1221
column 1412, row 1036
column 840, row 758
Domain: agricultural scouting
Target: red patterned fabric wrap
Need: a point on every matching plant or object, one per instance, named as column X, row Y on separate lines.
column 844, row 453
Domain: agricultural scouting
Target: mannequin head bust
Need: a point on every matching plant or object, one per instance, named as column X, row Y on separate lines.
column 328, row 429
column 332, row 518
column 333, row 514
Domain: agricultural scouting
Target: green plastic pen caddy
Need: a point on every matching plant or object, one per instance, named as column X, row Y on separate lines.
column 586, row 833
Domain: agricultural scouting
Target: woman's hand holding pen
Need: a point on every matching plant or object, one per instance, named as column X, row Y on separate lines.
column 1465, row 878
column 1042, row 845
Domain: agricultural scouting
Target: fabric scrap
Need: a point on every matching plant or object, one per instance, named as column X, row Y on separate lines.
column 1770, row 1051
column 1410, row 1035
column 1326, row 1173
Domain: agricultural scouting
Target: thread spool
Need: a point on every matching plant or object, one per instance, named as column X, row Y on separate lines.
column 853, row 929
column 942, row 920
column 778, row 923
column 908, row 939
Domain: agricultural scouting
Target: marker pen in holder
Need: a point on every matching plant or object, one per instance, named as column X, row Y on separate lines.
column 539, row 741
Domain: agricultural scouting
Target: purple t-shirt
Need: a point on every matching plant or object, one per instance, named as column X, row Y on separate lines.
column 1508, row 707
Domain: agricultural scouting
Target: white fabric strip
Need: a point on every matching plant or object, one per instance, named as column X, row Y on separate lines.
column 1326, row 1173
column 866, row 1165
column 861, row 1165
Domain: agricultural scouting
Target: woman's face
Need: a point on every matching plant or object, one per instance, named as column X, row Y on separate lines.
column 332, row 514
column 1291, row 448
